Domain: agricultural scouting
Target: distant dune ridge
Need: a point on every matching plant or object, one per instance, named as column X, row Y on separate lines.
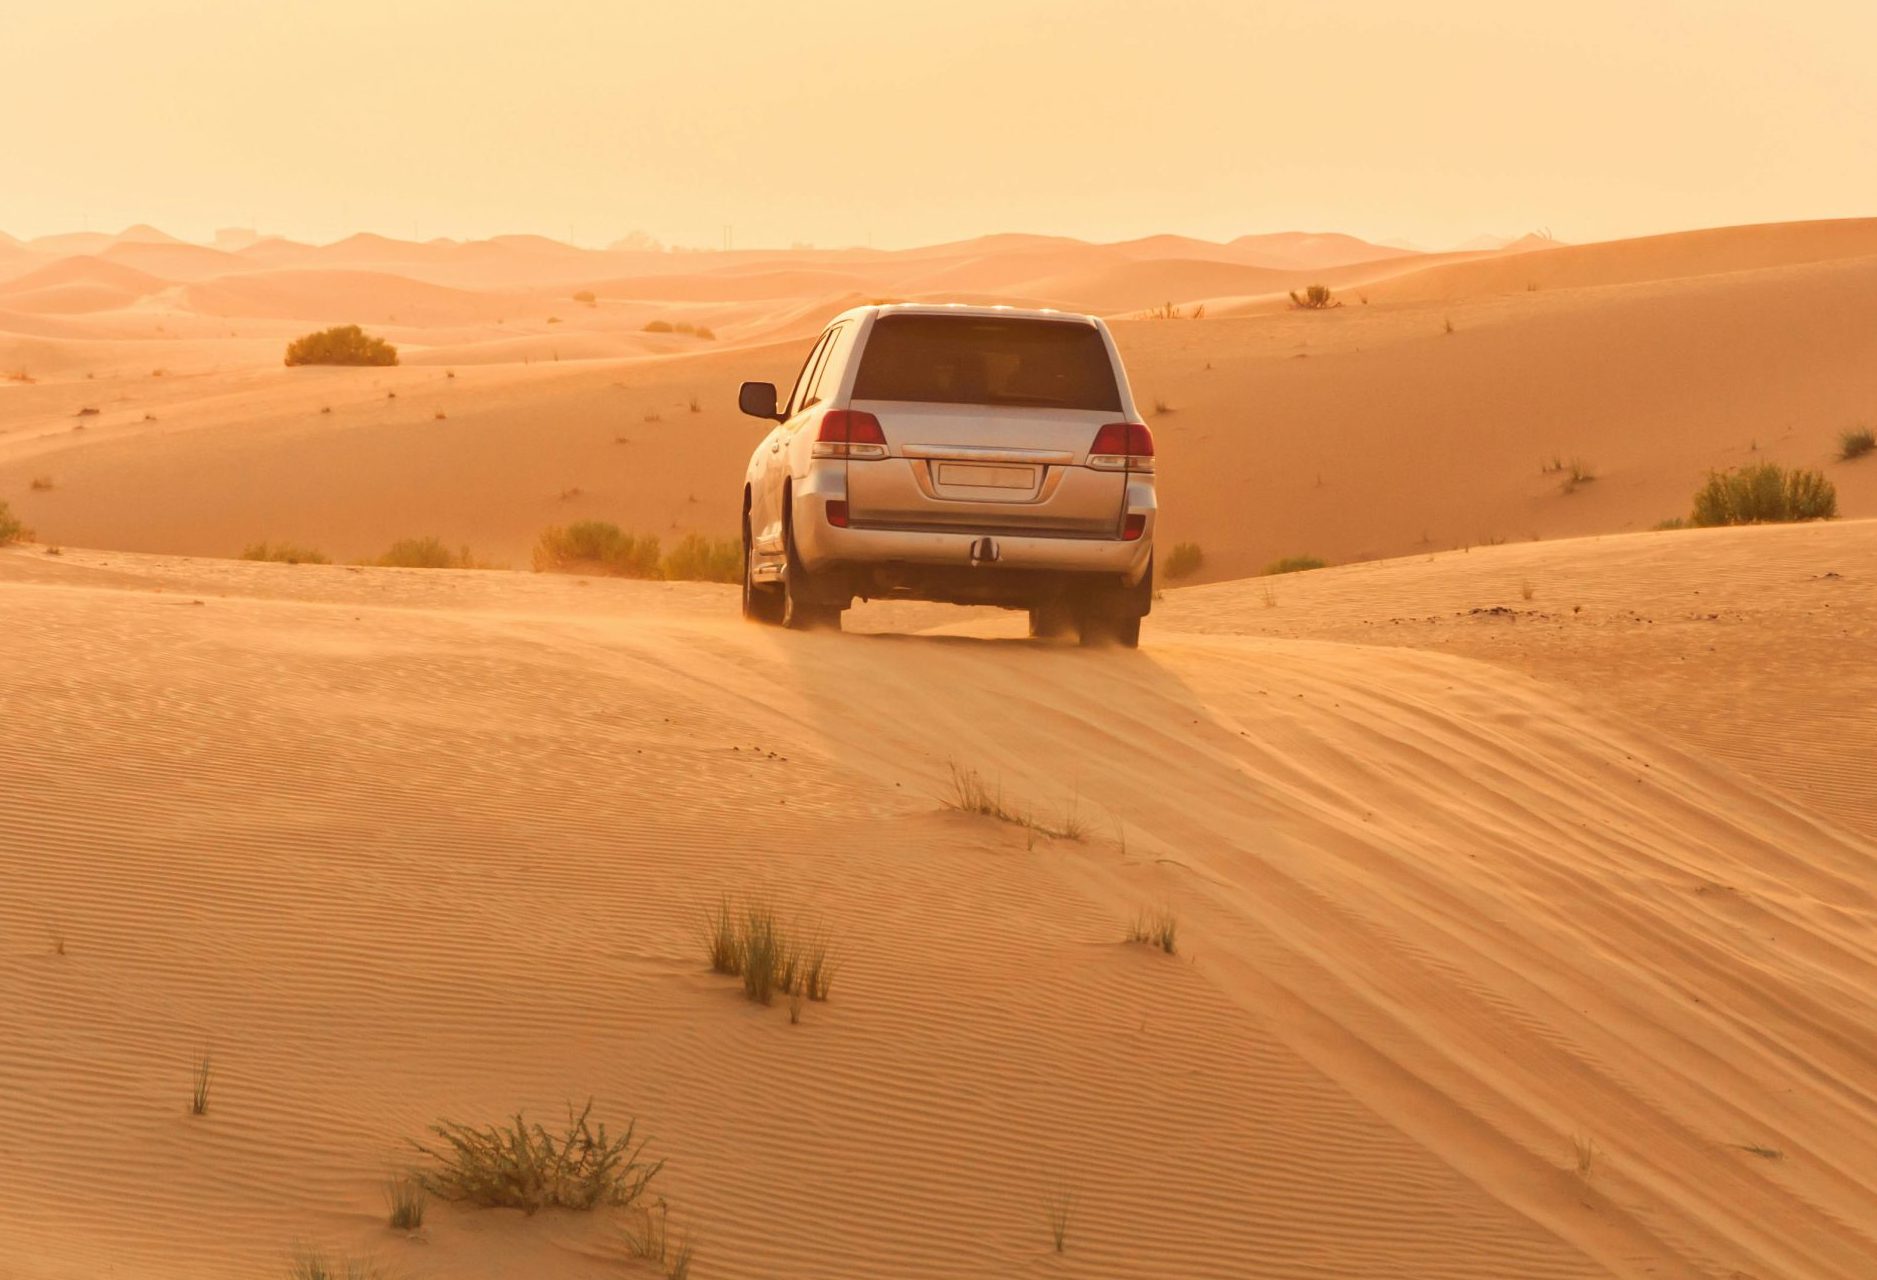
column 1424, row 412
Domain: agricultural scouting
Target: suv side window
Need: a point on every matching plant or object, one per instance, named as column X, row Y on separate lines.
column 801, row 379
column 832, row 362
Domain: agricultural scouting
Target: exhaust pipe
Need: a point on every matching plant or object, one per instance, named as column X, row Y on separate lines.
column 983, row 551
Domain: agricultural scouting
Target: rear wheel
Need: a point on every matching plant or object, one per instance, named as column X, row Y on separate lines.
column 1113, row 617
column 801, row 609
column 1051, row 620
column 1098, row 631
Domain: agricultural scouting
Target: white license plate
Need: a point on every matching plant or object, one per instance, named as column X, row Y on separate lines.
column 971, row 475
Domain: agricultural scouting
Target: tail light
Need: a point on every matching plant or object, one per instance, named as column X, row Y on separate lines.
column 837, row 512
column 1123, row 446
column 1133, row 527
column 846, row 433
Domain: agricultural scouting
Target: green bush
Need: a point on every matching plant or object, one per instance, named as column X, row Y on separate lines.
column 11, row 530
column 700, row 559
column 343, row 344
column 1184, row 560
column 1856, row 443
column 1292, row 564
column 284, row 553
column 1765, row 493
column 426, row 553
column 595, row 546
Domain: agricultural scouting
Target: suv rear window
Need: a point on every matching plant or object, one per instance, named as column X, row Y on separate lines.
column 1043, row 364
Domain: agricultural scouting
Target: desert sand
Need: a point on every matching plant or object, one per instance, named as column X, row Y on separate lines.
column 1524, row 867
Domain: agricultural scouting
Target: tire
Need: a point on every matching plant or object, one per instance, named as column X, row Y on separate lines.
column 1107, row 632
column 801, row 610
column 760, row 604
column 1051, row 620
column 1114, row 617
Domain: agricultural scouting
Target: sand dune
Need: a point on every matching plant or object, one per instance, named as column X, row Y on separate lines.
column 1281, row 433
column 1669, row 257
column 399, row 845
column 340, row 295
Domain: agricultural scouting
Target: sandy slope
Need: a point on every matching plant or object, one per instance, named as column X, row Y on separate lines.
column 400, row 845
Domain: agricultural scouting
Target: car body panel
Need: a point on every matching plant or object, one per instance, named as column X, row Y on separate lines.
column 954, row 475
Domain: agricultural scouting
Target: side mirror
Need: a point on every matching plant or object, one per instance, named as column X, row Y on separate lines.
column 758, row 400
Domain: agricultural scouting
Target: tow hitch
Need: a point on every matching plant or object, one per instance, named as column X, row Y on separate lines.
column 984, row 551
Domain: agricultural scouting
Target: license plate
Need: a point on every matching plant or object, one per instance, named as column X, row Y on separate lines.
column 973, row 476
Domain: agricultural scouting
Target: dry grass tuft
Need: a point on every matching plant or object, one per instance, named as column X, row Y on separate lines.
column 650, row 1240
column 1316, row 297
column 1856, row 443
column 971, row 794
column 407, row 1200
column 1577, row 474
column 1061, row 1205
column 11, row 529
column 1158, row 928
column 312, row 1265
column 199, row 1091
column 40, row 484
column 284, row 553
column 523, row 1166
column 1586, row 1151
column 427, row 553
column 1292, row 564
column 771, row 957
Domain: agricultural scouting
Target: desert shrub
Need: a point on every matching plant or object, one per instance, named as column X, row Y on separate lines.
column 697, row 558
column 1673, row 522
column 596, row 546
column 658, row 326
column 342, row 344
column 1293, row 564
column 284, row 553
column 426, row 553
column 11, row 530
column 1316, row 297
column 586, row 296
column 704, row 331
column 523, row 1166
column 1856, row 443
column 1184, row 560
column 1765, row 493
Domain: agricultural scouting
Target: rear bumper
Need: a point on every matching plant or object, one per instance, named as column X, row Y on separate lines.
column 827, row 549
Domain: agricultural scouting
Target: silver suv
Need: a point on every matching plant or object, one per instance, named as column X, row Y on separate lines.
column 972, row 455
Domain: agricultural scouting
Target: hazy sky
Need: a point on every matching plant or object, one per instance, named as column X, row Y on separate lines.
column 849, row 121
